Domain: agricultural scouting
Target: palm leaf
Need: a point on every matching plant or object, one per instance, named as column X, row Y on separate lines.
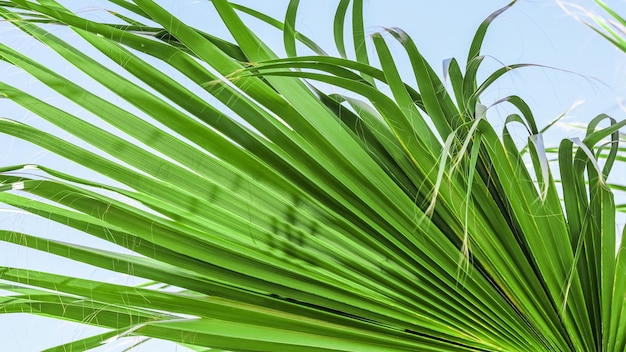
column 612, row 28
column 289, row 218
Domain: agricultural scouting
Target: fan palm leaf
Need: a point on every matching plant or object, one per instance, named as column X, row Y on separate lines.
column 387, row 217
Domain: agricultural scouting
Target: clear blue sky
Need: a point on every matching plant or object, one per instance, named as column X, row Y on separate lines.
column 533, row 31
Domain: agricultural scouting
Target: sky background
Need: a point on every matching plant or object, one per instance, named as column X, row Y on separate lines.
column 584, row 69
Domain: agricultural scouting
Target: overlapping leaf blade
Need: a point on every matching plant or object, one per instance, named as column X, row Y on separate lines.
column 332, row 222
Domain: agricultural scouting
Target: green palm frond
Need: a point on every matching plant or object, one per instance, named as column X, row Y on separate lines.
column 614, row 30
column 379, row 217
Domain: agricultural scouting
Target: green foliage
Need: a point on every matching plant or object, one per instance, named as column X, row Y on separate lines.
column 297, row 220
column 612, row 28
